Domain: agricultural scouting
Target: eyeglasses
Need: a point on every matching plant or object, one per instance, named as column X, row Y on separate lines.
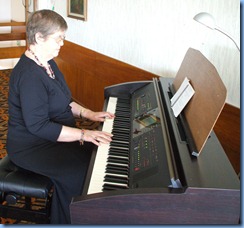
column 58, row 39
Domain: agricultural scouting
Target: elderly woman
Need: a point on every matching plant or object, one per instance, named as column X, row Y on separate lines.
column 42, row 136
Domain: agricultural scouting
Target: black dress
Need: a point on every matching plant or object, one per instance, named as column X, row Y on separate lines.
column 38, row 107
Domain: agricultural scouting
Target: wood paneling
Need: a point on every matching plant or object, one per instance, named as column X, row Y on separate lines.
column 227, row 130
column 13, row 23
column 88, row 73
column 11, row 52
column 17, row 33
column 13, row 36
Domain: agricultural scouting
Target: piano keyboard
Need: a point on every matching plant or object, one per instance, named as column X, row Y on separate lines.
column 111, row 166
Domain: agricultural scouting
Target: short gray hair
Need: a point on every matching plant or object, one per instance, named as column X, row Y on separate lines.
column 46, row 22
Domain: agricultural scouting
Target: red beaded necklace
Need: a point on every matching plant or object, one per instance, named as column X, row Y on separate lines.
column 50, row 72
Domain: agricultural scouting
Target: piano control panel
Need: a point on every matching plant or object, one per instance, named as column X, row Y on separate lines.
column 146, row 137
column 145, row 152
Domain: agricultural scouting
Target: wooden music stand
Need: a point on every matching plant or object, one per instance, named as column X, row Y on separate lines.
column 204, row 108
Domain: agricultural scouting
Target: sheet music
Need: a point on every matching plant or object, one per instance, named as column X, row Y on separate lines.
column 182, row 97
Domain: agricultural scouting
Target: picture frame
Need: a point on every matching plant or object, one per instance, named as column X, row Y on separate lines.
column 77, row 9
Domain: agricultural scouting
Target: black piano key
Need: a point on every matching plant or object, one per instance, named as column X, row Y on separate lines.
column 117, row 160
column 118, row 144
column 118, row 153
column 125, row 149
column 108, row 186
column 126, row 156
column 123, row 109
column 118, row 164
column 122, row 156
column 121, row 130
column 119, row 169
column 119, row 150
column 125, row 123
column 116, row 179
column 122, row 113
column 122, row 142
column 123, row 138
column 122, row 101
column 122, row 134
column 116, row 122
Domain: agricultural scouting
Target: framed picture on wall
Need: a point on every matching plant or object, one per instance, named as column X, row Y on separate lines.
column 77, row 9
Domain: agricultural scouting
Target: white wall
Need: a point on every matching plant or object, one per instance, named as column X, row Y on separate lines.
column 18, row 10
column 155, row 35
column 10, row 10
column 5, row 15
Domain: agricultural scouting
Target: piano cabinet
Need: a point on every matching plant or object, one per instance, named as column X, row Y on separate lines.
column 157, row 206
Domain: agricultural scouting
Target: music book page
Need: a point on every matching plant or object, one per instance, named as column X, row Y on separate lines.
column 182, row 97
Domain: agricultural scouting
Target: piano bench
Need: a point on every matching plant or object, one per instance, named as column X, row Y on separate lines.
column 24, row 195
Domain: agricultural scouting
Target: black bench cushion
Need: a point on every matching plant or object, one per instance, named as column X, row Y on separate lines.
column 23, row 182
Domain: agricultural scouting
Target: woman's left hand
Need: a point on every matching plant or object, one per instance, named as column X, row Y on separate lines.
column 97, row 116
column 97, row 137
